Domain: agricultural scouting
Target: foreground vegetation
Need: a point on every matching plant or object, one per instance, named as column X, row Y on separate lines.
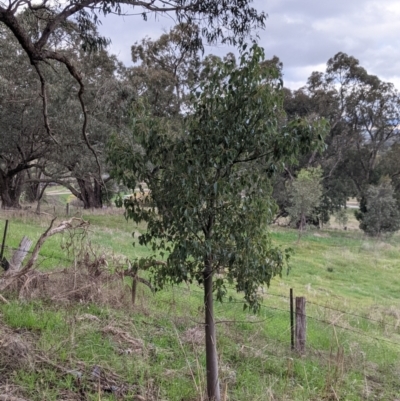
column 59, row 344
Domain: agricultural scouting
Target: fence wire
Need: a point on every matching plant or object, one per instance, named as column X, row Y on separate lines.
column 360, row 340
column 366, row 341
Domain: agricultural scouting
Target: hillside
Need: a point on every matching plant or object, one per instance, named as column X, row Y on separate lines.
column 76, row 336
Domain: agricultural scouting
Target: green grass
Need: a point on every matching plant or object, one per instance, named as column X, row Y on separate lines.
column 341, row 270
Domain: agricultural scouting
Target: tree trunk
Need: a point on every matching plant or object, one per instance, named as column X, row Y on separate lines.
column 11, row 190
column 213, row 390
column 32, row 191
column 302, row 224
column 91, row 194
column 33, row 186
column 44, row 186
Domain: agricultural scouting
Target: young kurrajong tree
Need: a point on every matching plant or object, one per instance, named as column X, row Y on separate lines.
column 210, row 185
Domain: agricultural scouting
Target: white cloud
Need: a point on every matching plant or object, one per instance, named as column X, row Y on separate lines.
column 307, row 33
column 304, row 34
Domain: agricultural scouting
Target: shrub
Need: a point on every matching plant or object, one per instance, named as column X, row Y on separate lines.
column 380, row 214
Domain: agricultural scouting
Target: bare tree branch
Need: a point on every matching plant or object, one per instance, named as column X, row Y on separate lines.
column 74, row 223
column 44, row 100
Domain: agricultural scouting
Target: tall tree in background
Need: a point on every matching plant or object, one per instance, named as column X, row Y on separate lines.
column 71, row 164
column 28, row 154
column 209, row 185
column 363, row 113
column 167, row 69
column 22, row 139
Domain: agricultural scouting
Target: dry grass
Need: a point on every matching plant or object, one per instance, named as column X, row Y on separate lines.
column 16, row 350
column 93, row 282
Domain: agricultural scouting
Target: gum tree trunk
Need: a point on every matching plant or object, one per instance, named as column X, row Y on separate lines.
column 91, row 194
column 11, row 190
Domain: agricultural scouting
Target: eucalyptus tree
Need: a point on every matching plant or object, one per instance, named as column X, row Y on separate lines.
column 22, row 141
column 229, row 21
column 62, row 157
column 364, row 113
column 166, row 69
column 210, row 185
column 317, row 99
column 71, row 163
column 305, row 196
column 389, row 166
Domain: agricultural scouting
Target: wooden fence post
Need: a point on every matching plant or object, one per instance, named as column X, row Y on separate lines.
column 300, row 324
column 3, row 244
column 67, row 209
column 20, row 254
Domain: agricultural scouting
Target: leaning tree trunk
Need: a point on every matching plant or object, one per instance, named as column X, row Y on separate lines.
column 213, row 391
column 11, row 190
column 91, row 194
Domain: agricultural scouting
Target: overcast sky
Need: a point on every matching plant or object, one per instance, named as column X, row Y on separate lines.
column 304, row 34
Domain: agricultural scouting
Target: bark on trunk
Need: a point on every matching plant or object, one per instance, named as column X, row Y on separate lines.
column 32, row 192
column 91, row 194
column 11, row 190
column 213, row 390
column 33, row 187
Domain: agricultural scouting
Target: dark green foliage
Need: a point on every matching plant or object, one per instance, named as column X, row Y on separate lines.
column 363, row 113
column 208, row 183
column 379, row 212
column 22, row 139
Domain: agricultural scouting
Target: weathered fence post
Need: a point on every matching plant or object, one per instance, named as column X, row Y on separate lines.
column 20, row 254
column 67, row 209
column 3, row 244
column 291, row 319
column 300, row 324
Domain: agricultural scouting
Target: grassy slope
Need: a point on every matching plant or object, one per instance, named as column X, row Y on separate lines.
column 156, row 349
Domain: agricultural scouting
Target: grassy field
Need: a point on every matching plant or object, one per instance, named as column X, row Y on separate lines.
column 77, row 336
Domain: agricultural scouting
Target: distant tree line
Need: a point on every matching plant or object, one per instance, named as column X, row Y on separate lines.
column 362, row 149
column 361, row 153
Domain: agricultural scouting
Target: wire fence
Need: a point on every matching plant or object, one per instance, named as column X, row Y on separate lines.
column 366, row 339
column 42, row 256
column 386, row 329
